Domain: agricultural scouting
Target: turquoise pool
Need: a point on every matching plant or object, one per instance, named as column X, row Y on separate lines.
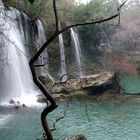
column 96, row 120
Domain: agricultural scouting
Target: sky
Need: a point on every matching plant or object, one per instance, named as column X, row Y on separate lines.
column 82, row 1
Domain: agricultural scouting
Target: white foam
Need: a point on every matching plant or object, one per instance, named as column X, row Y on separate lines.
column 4, row 119
column 28, row 100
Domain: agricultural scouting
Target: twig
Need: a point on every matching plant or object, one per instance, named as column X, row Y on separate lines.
column 53, row 104
column 66, row 74
column 56, row 17
column 59, row 118
column 41, row 65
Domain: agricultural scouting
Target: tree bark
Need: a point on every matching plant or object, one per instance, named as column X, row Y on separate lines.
column 49, row 108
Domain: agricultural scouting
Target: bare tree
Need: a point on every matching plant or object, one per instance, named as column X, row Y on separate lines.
column 52, row 104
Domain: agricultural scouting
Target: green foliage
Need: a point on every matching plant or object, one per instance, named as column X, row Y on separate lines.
column 94, row 10
column 31, row 1
column 89, row 35
column 34, row 10
column 69, row 13
column 43, row 9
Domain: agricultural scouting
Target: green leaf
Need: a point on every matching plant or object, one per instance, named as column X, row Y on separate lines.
column 31, row 1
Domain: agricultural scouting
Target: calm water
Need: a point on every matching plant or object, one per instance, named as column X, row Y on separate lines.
column 130, row 84
column 99, row 121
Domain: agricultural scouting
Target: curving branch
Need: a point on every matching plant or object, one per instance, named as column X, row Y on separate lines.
column 58, row 119
column 52, row 104
column 40, row 65
column 49, row 108
column 56, row 16
column 66, row 74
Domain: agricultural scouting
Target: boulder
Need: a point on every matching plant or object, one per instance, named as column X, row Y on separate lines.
column 11, row 101
column 76, row 137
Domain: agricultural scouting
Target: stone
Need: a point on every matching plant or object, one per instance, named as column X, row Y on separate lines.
column 11, row 101
column 76, row 137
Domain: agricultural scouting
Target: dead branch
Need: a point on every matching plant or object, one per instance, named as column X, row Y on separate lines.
column 56, row 17
column 41, row 65
column 66, row 74
column 53, row 104
column 58, row 119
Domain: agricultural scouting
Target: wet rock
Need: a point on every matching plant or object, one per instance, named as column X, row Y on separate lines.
column 16, row 107
column 11, row 101
column 76, row 137
column 23, row 105
column 18, row 102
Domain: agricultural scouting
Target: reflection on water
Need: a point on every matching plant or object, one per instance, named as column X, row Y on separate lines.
column 4, row 119
column 93, row 119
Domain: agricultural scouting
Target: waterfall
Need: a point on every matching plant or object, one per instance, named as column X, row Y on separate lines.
column 15, row 76
column 62, row 57
column 77, row 51
column 40, row 40
column 1, row 2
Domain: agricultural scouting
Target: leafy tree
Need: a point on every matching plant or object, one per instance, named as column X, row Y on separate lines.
column 94, row 10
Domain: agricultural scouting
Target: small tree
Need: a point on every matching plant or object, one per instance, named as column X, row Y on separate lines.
column 52, row 104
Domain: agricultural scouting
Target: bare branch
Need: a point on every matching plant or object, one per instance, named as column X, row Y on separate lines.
column 49, row 108
column 56, row 16
column 116, row 2
column 122, row 5
column 51, row 100
column 58, row 119
column 89, row 23
column 34, row 58
column 40, row 65
column 118, row 8
column 66, row 74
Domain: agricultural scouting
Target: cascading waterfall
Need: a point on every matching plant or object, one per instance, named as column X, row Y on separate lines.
column 62, row 57
column 1, row 2
column 16, row 80
column 40, row 40
column 77, row 51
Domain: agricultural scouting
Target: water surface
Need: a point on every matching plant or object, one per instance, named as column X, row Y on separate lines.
column 96, row 120
column 131, row 84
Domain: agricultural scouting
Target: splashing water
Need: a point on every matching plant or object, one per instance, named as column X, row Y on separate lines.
column 16, row 80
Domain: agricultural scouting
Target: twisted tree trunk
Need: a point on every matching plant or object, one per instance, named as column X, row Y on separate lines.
column 49, row 108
